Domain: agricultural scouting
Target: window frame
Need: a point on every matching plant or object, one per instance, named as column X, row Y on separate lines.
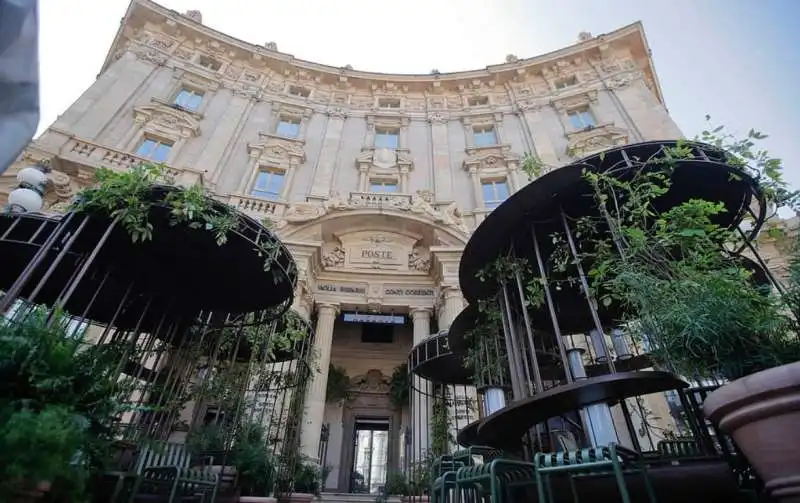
column 386, row 132
column 390, row 103
column 157, row 142
column 298, row 91
column 478, row 101
column 383, row 183
column 576, row 117
column 265, row 193
column 494, row 182
column 289, row 119
column 194, row 93
column 482, row 130
column 209, row 63
column 565, row 82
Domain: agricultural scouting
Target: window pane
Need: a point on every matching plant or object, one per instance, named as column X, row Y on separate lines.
column 488, row 192
column 389, row 187
column 575, row 120
column 484, row 138
column 145, row 148
column 261, row 181
column 194, row 103
column 288, row 129
column 275, row 183
column 387, row 140
column 501, row 191
column 160, row 153
column 587, row 118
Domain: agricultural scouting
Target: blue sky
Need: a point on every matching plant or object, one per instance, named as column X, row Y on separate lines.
column 737, row 60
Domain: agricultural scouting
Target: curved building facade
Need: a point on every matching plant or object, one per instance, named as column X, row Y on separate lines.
column 373, row 180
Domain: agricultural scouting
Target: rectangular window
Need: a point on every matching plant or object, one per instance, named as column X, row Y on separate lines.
column 288, row 127
column 373, row 333
column 494, row 193
column 387, row 138
column 268, row 184
column 581, row 118
column 188, row 99
column 566, row 82
column 382, row 186
column 389, row 103
column 478, row 101
column 484, row 136
column 154, row 150
column 300, row 92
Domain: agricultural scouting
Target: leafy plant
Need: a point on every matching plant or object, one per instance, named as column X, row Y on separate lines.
column 58, row 403
column 485, row 357
column 441, row 435
column 307, row 477
column 399, row 385
column 694, row 304
column 395, row 484
column 338, row 386
column 254, row 464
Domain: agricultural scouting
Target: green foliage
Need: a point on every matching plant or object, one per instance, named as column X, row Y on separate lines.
column 58, row 402
column 206, row 438
column 532, row 166
column 254, row 464
column 128, row 196
column 338, row 386
column 441, row 436
column 486, row 356
column 395, row 484
column 399, row 386
column 307, row 477
column 694, row 303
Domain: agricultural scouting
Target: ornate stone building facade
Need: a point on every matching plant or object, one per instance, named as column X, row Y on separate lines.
column 374, row 181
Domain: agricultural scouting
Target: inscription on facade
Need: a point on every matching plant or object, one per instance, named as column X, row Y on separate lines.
column 377, row 254
column 328, row 287
column 408, row 292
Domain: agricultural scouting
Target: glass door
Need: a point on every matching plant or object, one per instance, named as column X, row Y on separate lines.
column 370, row 456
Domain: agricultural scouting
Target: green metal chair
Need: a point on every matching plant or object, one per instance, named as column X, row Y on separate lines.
column 164, row 470
column 590, row 462
column 497, row 480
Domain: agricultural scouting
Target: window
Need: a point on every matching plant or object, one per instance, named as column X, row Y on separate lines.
column 566, row 82
column 210, row 63
column 484, row 136
column 268, row 184
column 155, row 150
column 383, row 186
column 298, row 91
column 494, row 193
column 387, row 138
column 188, row 99
column 478, row 101
column 389, row 103
column 377, row 333
column 581, row 118
column 288, row 127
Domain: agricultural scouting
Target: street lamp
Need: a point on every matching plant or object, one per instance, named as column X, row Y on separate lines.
column 29, row 194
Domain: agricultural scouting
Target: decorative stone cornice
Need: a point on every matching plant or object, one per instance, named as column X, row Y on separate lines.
column 590, row 140
column 277, row 150
column 170, row 120
column 179, row 32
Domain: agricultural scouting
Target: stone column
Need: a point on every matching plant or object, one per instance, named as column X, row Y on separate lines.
column 315, row 394
column 452, row 304
column 420, row 400
column 443, row 177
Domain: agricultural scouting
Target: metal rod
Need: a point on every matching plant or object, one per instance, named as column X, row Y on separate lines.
column 551, row 307
column 89, row 261
column 585, row 288
column 61, row 254
column 537, row 374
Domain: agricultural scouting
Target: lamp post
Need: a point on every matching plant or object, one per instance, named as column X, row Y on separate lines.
column 29, row 195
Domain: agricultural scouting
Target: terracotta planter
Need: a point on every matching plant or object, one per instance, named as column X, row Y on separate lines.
column 256, row 499
column 762, row 413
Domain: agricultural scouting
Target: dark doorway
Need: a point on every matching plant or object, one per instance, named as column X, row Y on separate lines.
column 370, row 455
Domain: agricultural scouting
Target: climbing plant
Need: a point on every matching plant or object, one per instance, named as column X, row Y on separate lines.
column 399, row 385
column 441, row 435
column 338, row 386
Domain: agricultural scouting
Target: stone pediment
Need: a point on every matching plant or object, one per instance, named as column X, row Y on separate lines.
column 168, row 120
column 384, row 159
column 370, row 250
column 276, row 150
column 575, row 100
column 490, row 157
column 592, row 140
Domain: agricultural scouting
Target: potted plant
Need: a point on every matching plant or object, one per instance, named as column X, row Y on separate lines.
column 58, row 402
column 307, row 481
column 698, row 307
column 396, row 485
column 254, row 465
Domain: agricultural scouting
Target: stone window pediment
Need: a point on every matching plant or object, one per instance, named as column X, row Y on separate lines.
column 575, row 100
column 276, row 151
column 592, row 140
column 167, row 121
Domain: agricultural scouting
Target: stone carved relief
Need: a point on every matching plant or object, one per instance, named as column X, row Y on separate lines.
column 334, row 258
column 372, row 382
column 149, row 55
column 623, row 80
column 586, row 142
column 419, row 260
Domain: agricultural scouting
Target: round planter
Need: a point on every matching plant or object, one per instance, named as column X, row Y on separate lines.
column 762, row 413
column 256, row 499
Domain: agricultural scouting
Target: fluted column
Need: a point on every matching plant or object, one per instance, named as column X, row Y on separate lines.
column 421, row 394
column 315, row 395
column 452, row 304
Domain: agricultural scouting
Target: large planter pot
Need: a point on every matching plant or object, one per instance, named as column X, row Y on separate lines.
column 762, row 413
column 256, row 499
column 300, row 498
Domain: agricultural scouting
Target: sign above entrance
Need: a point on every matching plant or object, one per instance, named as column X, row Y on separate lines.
column 386, row 319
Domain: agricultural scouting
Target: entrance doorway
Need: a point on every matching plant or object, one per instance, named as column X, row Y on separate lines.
column 370, row 455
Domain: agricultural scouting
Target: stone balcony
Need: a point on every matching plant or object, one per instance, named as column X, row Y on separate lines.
column 381, row 200
column 257, row 207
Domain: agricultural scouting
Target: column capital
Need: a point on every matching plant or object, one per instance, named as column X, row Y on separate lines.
column 450, row 292
column 327, row 308
column 420, row 313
